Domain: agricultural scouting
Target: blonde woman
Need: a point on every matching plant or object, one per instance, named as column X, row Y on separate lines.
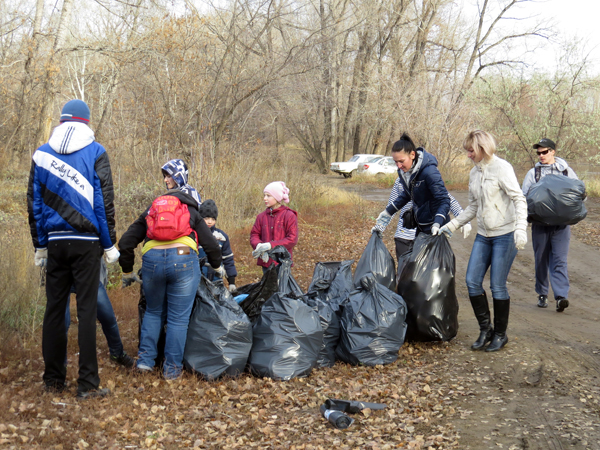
column 497, row 201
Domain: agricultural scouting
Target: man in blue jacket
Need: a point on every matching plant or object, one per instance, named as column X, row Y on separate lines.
column 72, row 221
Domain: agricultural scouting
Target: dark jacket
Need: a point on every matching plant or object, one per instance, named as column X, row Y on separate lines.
column 428, row 193
column 136, row 233
column 70, row 193
column 276, row 226
column 226, row 254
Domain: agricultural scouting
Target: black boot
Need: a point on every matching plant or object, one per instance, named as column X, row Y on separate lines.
column 501, row 310
column 482, row 313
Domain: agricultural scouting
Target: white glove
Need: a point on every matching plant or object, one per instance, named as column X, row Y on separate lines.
column 265, row 257
column 260, row 249
column 435, row 229
column 232, row 288
column 520, row 239
column 450, row 228
column 220, row 272
column 466, row 229
column 41, row 257
column 383, row 220
column 376, row 230
column 218, row 236
column 111, row 255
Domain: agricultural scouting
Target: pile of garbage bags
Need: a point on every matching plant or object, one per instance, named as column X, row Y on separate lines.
column 273, row 329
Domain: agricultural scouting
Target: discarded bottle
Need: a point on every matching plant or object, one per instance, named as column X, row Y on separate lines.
column 336, row 418
column 350, row 406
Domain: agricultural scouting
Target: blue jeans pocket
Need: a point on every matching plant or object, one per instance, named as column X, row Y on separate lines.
column 183, row 271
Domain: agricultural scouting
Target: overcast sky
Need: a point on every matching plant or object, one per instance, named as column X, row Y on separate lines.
column 572, row 18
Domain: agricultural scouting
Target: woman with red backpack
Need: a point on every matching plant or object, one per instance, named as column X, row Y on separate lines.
column 171, row 229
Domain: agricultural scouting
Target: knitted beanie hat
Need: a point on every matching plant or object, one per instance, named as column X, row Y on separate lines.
column 75, row 111
column 279, row 191
column 208, row 209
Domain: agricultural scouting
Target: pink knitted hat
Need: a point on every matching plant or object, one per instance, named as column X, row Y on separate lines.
column 279, row 191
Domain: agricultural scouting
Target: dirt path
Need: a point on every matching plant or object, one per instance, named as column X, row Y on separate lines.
column 543, row 390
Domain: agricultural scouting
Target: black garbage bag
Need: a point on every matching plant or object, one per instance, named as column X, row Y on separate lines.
column 259, row 293
column 377, row 260
column 332, row 282
column 287, row 338
column 372, row 326
column 160, row 346
column 556, row 200
column 219, row 336
column 288, row 286
column 331, row 329
column 427, row 284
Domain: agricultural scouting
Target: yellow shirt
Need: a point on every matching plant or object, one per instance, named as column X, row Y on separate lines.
column 185, row 240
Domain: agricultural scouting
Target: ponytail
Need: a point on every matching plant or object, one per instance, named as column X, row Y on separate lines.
column 405, row 144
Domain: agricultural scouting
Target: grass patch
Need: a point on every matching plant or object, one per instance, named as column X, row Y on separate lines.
column 592, row 187
column 381, row 180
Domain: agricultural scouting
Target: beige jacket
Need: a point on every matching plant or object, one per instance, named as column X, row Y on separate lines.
column 495, row 198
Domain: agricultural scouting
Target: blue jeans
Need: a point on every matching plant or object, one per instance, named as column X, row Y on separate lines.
column 170, row 284
column 497, row 253
column 551, row 248
column 106, row 317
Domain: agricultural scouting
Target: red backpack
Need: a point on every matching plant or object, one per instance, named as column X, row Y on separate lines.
column 168, row 219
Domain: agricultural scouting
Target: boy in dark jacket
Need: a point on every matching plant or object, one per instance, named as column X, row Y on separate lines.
column 209, row 212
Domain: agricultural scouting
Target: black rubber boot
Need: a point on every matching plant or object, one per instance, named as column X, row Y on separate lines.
column 501, row 310
column 482, row 313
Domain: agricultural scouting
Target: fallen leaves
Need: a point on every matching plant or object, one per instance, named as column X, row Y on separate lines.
column 247, row 412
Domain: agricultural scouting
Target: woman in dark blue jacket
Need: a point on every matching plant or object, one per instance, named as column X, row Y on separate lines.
column 423, row 184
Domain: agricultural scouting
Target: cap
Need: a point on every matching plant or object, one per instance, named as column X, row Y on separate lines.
column 545, row 143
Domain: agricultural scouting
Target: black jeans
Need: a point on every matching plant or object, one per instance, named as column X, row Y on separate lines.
column 71, row 262
column 402, row 246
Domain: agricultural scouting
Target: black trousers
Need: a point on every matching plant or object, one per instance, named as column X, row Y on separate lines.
column 402, row 246
column 71, row 262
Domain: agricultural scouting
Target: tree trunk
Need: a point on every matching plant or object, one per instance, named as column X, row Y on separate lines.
column 52, row 75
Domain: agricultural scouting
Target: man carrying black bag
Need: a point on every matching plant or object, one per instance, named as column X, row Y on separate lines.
column 550, row 243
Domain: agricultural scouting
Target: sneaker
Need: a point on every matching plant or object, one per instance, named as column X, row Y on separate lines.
column 543, row 301
column 93, row 393
column 124, row 360
column 143, row 368
column 561, row 304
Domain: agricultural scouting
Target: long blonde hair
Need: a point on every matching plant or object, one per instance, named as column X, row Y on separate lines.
column 482, row 143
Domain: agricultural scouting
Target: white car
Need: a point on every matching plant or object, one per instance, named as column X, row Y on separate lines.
column 380, row 166
column 348, row 168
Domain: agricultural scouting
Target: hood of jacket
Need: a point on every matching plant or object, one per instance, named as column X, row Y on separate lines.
column 70, row 137
column 424, row 160
column 559, row 164
column 178, row 170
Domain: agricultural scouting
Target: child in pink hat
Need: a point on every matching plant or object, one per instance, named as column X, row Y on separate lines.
column 277, row 225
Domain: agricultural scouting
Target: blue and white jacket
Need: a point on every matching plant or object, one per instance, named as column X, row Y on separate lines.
column 226, row 254
column 408, row 233
column 423, row 185
column 70, row 193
